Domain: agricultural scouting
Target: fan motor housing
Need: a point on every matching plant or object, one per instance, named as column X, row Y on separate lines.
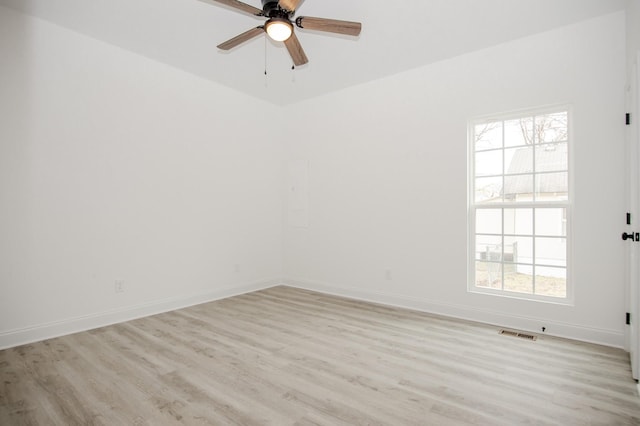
column 272, row 10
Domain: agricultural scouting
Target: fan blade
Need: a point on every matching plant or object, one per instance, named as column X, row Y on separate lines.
column 295, row 50
column 329, row 25
column 239, row 39
column 242, row 6
column 290, row 5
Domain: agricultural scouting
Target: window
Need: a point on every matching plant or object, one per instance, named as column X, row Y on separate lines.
column 519, row 210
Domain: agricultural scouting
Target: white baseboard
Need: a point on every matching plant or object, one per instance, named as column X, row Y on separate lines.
column 12, row 338
column 50, row 330
column 605, row 337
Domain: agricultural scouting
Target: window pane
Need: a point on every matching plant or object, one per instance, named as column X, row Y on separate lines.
column 488, row 135
column 552, row 157
column 552, row 186
column 551, row 251
column 489, row 221
column 518, row 132
column 488, row 247
column 551, row 281
column 489, row 163
column 518, row 188
column 489, row 275
column 551, row 127
column 488, row 190
column 518, row 160
column 518, row 221
column 551, row 222
column 518, row 250
column 518, row 278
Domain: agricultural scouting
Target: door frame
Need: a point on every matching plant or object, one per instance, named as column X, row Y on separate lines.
column 632, row 332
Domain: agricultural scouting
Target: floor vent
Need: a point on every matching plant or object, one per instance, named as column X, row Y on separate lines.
column 518, row 334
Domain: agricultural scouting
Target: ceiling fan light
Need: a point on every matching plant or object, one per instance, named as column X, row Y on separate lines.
column 279, row 29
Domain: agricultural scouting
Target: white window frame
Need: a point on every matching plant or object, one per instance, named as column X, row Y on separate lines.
column 472, row 207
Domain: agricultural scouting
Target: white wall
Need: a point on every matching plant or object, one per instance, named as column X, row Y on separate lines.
column 115, row 167
column 387, row 180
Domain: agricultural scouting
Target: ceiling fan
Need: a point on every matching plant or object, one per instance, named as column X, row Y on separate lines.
column 279, row 25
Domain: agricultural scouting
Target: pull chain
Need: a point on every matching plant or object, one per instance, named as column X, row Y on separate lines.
column 266, row 80
column 293, row 73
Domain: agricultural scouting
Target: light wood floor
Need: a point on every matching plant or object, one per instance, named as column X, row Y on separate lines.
column 286, row 356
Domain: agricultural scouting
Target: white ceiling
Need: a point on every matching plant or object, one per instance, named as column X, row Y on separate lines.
column 395, row 36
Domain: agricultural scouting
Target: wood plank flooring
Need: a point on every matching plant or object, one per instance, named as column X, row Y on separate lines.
column 286, row 356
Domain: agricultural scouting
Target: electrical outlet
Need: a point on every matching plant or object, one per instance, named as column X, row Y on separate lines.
column 387, row 274
column 119, row 286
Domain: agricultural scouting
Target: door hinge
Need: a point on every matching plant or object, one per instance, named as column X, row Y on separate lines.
column 628, row 318
column 628, row 218
column 627, row 118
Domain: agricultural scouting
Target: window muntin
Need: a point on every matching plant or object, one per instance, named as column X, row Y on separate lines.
column 519, row 202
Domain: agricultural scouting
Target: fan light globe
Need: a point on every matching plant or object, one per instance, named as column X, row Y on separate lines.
column 279, row 29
